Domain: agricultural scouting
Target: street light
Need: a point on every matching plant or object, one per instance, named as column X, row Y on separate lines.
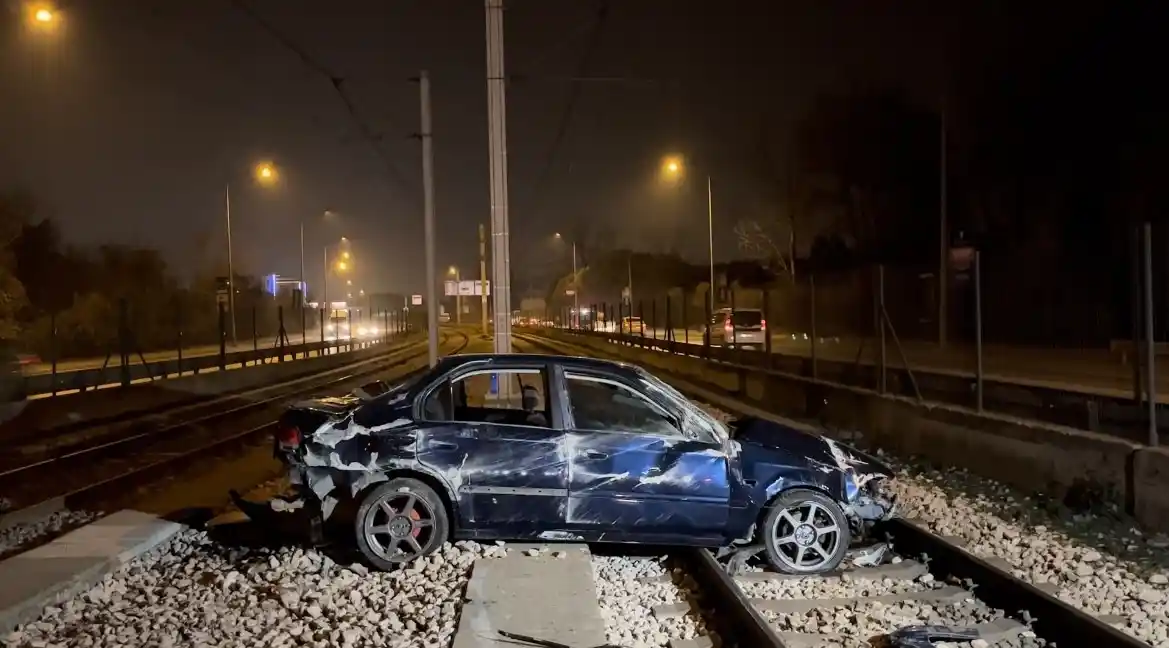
column 266, row 175
column 41, row 17
column 575, row 288
column 674, row 170
column 454, row 272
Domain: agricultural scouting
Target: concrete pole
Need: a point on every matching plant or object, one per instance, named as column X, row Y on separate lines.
column 230, row 268
column 458, row 297
column 428, row 215
column 483, row 276
column 497, row 143
column 943, row 243
column 575, row 289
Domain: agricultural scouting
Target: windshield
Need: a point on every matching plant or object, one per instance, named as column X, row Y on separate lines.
column 696, row 423
column 747, row 318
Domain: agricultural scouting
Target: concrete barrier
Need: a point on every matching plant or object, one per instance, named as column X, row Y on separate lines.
column 1151, row 483
column 1029, row 455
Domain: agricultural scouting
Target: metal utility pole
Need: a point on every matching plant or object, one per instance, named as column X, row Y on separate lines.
column 325, row 281
column 428, row 215
column 303, row 285
column 483, row 276
column 458, row 296
column 943, row 243
column 497, row 143
column 629, row 272
column 710, row 230
column 575, row 288
column 230, row 269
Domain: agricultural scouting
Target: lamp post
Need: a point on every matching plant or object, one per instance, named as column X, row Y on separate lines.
column 674, row 170
column 575, row 287
column 454, row 272
column 266, row 176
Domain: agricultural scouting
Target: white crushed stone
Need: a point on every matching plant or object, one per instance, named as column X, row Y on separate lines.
column 1096, row 561
column 18, row 535
column 873, row 619
column 627, row 603
column 195, row 592
column 832, row 588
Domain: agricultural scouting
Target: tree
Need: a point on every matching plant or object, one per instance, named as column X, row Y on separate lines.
column 12, row 296
column 869, row 161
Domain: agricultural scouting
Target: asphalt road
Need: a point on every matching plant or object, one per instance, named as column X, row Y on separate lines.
column 1096, row 371
column 80, row 364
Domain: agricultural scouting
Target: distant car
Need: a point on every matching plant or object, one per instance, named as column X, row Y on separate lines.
column 632, row 326
column 543, row 447
column 741, row 327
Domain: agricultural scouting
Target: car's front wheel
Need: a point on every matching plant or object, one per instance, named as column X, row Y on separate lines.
column 399, row 521
column 805, row 532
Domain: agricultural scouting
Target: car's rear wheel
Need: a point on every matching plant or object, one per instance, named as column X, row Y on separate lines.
column 805, row 532
column 400, row 521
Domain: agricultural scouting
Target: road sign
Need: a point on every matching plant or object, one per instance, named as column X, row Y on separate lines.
column 466, row 288
column 416, row 300
column 570, row 292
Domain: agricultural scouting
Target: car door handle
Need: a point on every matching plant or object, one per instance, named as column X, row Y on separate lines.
column 595, row 454
column 444, row 445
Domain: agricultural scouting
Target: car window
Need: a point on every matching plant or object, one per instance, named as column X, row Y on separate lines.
column 747, row 318
column 696, row 423
column 508, row 397
column 607, row 406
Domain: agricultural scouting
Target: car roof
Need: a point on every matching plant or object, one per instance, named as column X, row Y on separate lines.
column 504, row 360
column 740, row 310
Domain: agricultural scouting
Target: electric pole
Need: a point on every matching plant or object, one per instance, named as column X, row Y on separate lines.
column 483, row 276
column 497, row 144
column 943, row 241
column 428, row 215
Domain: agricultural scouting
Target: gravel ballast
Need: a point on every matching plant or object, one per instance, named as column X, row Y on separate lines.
column 195, row 592
column 1093, row 559
column 628, row 591
column 22, row 534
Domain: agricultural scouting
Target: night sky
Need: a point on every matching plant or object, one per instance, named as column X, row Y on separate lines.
column 128, row 122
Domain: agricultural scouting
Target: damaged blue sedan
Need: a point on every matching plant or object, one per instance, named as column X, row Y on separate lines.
column 537, row 447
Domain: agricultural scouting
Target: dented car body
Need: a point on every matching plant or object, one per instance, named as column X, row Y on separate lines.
column 521, row 446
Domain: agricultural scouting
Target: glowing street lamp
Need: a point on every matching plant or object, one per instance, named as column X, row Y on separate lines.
column 266, row 174
column 43, row 16
column 342, row 266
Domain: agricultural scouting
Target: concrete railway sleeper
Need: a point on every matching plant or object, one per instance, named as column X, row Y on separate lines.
column 983, row 596
column 55, row 495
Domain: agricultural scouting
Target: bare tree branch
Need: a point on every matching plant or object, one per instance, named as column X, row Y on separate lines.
column 755, row 240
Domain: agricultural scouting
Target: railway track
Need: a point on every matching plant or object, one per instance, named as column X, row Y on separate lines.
column 92, row 476
column 930, row 590
column 43, row 446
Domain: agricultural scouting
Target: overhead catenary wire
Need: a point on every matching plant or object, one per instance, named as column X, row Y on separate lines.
column 337, row 82
column 570, row 105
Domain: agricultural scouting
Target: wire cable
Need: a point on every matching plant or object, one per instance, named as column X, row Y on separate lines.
column 338, row 84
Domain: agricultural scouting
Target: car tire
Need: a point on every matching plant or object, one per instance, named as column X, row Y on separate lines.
column 400, row 521
column 793, row 544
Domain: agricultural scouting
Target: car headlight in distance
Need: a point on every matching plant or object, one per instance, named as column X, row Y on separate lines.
column 329, row 327
column 362, row 331
column 851, row 488
column 373, row 330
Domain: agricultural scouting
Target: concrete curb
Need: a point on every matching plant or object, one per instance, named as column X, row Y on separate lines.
column 75, row 562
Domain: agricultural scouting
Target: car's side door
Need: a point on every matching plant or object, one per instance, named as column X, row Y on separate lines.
column 633, row 471
column 506, row 463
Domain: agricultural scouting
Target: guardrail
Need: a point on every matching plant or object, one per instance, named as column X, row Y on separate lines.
column 124, row 373
column 1081, row 409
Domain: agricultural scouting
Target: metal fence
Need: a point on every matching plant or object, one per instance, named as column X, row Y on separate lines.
column 143, row 342
column 1005, row 329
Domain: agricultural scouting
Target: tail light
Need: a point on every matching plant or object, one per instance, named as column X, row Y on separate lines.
column 763, row 324
column 288, row 436
column 727, row 325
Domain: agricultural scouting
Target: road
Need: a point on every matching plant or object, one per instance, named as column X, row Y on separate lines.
column 1092, row 371
column 80, row 364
